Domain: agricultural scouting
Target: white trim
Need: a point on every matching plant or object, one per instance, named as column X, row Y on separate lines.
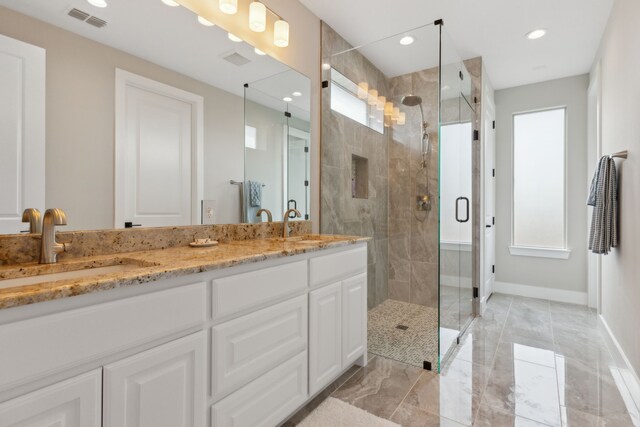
column 629, row 375
column 455, row 246
column 539, row 252
column 122, row 80
column 551, row 294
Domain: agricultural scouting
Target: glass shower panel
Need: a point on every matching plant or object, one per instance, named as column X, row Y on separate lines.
column 455, row 210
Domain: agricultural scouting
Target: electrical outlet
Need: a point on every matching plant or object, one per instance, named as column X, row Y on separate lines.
column 208, row 212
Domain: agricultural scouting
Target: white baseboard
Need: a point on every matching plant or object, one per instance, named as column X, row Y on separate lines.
column 559, row 295
column 627, row 373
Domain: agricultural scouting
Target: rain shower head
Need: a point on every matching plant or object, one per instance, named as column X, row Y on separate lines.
column 411, row 100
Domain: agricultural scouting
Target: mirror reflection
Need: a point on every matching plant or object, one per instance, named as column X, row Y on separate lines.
column 122, row 122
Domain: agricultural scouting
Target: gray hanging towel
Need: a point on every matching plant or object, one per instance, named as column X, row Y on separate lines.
column 255, row 194
column 604, row 220
column 591, row 200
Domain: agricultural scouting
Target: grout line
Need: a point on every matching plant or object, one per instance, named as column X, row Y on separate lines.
column 407, row 394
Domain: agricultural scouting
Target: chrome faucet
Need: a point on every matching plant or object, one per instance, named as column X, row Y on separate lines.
column 33, row 217
column 267, row 211
column 49, row 248
column 285, row 221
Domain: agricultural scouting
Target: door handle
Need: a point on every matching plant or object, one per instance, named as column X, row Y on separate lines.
column 466, row 209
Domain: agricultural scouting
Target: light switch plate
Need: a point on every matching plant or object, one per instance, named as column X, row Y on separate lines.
column 208, row 211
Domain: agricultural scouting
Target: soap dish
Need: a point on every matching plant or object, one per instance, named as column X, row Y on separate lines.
column 208, row 243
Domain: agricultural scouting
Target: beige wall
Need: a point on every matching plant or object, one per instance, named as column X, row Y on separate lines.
column 571, row 274
column 80, row 123
column 620, row 79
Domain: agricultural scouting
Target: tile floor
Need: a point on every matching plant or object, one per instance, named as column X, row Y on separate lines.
column 526, row 362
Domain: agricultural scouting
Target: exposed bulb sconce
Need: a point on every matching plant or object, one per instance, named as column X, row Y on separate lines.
column 402, row 118
column 388, row 109
column 396, row 114
column 257, row 17
column 373, row 97
column 363, row 90
column 381, row 101
column 281, row 33
column 230, row 7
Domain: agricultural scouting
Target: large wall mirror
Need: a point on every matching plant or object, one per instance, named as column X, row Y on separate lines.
column 142, row 114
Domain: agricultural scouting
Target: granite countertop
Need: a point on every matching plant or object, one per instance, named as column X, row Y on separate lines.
column 149, row 266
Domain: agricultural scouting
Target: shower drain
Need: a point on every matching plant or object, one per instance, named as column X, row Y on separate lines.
column 402, row 327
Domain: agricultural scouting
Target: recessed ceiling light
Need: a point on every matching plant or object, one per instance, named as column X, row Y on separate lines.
column 259, row 52
column 205, row 22
column 234, row 38
column 407, row 40
column 296, row 93
column 536, row 34
column 170, row 3
column 97, row 3
column 287, row 99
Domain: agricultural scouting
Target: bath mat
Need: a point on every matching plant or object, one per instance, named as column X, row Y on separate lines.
column 336, row 413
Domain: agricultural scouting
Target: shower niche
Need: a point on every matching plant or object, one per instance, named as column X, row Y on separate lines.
column 359, row 177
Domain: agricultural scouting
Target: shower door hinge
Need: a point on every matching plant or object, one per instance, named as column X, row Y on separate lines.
column 493, row 124
column 476, row 135
column 493, row 220
column 306, row 149
column 475, row 292
column 287, row 114
column 306, row 216
column 493, row 172
column 493, row 269
column 306, row 183
column 325, row 84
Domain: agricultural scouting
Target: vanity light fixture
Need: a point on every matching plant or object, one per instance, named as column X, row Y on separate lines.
column 536, row 34
column 326, row 66
column 407, row 40
column 170, row 3
column 205, row 22
column 287, row 99
column 257, row 17
column 296, row 93
column 402, row 118
column 234, row 38
column 258, row 51
column 97, row 3
column 230, row 7
column 363, row 90
column 388, row 109
column 381, row 101
column 281, row 33
column 373, row 97
column 396, row 113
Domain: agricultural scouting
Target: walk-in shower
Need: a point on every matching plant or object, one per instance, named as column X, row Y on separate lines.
column 387, row 173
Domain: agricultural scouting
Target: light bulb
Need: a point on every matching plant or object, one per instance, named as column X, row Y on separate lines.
column 205, row 22
column 281, row 33
column 388, row 108
column 326, row 66
column 170, row 3
column 287, row 99
column 381, row 102
column 230, row 7
column 402, row 118
column 396, row 113
column 257, row 17
column 373, row 97
column 363, row 90
column 258, row 51
column 234, row 38
column 97, row 3
column 296, row 93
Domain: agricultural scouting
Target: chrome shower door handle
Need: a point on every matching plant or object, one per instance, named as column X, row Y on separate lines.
column 466, row 219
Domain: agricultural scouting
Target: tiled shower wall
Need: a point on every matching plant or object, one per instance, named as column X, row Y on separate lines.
column 342, row 138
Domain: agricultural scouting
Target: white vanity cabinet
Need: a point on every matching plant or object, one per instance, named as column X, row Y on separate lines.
column 244, row 346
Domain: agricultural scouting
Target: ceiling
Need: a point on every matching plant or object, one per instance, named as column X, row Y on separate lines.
column 493, row 29
column 171, row 37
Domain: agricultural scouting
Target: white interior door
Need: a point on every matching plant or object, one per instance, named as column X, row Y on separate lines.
column 157, row 151
column 489, row 201
column 22, row 132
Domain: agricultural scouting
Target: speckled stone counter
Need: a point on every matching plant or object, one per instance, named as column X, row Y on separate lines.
column 152, row 265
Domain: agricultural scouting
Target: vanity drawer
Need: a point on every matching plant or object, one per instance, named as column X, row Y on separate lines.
column 337, row 266
column 249, row 346
column 48, row 344
column 243, row 292
column 267, row 401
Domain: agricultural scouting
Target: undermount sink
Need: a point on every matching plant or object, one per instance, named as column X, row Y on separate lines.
column 71, row 272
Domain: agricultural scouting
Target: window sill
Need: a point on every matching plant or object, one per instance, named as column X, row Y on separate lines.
column 539, row 252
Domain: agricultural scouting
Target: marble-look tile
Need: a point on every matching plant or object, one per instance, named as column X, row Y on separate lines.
column 409, row 416
column 424, row 283
column 400, row 290
column 379, row 387
column 584, row 345
column 454, row 394
column 491, row 417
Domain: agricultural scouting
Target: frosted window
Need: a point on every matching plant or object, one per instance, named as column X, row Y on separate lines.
column 539, row 179
column 250, row 137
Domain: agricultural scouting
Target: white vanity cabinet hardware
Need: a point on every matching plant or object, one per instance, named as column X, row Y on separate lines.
column 354, row 318
column 268, row 400
column 49, row 344
column 242, row 293
column 75, row 402
column 325, row 269
column 161, row 387
column 325, row 336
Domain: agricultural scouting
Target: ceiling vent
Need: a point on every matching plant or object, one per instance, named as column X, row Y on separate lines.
column 84, row 16
column 96, row 22
column 78, row 14
column 236, row 59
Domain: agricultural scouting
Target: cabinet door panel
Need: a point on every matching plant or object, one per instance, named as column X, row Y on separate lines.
column 161, row 387
column 71, row 403
column 354, row 318
column 325, row 336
